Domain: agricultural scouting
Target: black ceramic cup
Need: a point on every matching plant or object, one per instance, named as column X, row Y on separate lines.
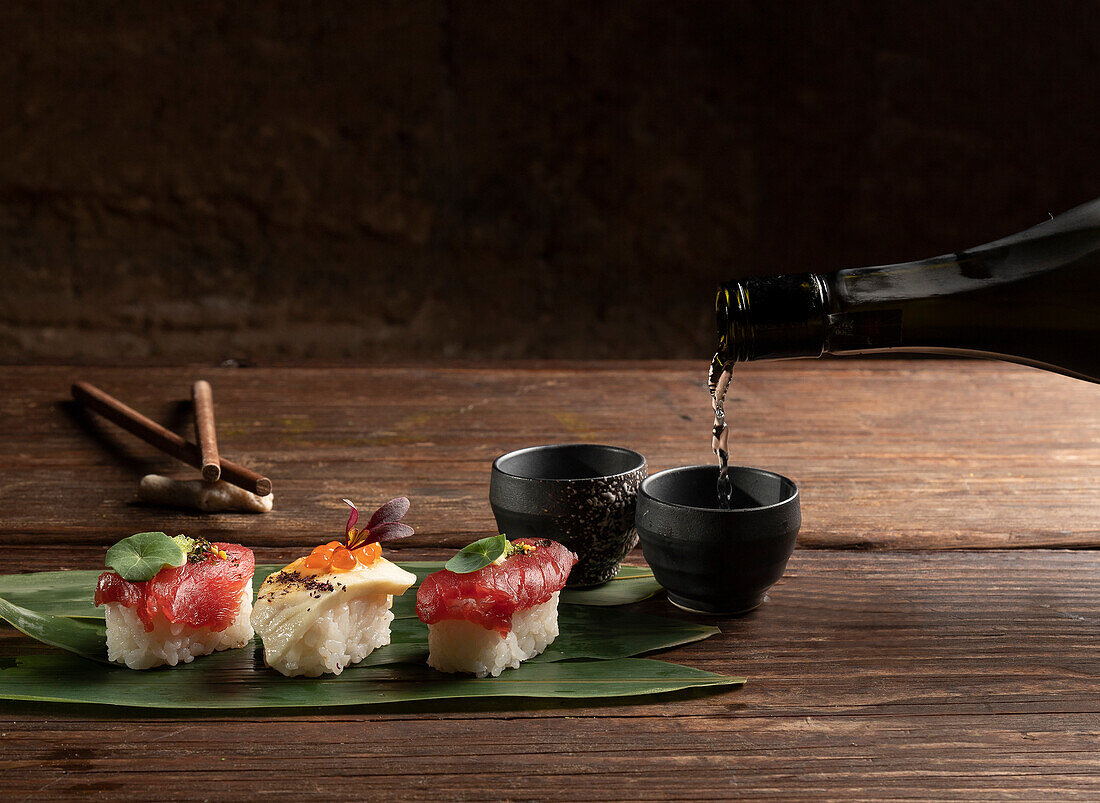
column 713, row 560
column 579, row 494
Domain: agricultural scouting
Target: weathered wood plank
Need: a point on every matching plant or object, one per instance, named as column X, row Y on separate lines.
column 887, row 674
column 889, row 454
column 873, row 674
column 705, row 758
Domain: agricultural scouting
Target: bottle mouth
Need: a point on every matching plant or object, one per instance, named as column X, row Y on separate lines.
column 734, row 336
column 722, row 319
column 771, row 318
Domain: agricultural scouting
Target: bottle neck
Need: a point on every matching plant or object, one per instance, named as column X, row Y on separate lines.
column 1029, row 298
column 772, row 318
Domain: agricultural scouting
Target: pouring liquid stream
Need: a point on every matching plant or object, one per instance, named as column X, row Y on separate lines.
column 718, row 381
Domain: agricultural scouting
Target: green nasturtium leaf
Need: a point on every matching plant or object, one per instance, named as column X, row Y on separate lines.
column 139, row 557
column 477, row 555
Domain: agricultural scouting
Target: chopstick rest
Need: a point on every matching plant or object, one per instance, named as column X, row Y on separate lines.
column 167, row 441
column 210, row 497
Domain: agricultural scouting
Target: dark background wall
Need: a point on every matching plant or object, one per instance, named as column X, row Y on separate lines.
column 376, row 180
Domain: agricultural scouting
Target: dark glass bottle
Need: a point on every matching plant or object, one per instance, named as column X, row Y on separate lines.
column 1032, row 298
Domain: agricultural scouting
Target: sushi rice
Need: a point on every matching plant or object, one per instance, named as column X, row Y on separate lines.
column 342, row 636
column 459, row 645
column 331, row 608
column 488, row 619
column 316, row 624
column 171, row 643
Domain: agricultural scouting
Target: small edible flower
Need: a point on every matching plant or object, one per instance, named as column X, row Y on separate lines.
column 361, row 546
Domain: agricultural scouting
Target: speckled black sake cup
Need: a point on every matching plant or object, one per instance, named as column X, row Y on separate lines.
column 579, row 494
column 711, row 560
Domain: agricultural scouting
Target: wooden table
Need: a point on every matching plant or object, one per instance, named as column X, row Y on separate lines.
column 937, row 634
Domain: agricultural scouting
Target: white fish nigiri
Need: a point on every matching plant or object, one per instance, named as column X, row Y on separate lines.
column 331, row 608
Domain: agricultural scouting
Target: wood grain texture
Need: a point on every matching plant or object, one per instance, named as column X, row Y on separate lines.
column 941, row 655
column 890, row 674
column 888, row 454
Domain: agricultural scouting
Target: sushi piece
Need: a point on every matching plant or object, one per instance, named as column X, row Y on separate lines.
column 193, row 602
column 494, row 617
column 331, row 608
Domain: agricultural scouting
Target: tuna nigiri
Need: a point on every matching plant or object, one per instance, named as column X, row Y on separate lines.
column 196, row 600
column 493, row 618
column 332, row 608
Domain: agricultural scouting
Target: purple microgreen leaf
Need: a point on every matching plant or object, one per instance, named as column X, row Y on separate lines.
column 354, row 517
column 390, row 531
column 393, row 510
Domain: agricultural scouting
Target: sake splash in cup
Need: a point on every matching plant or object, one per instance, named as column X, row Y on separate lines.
column 712, row 559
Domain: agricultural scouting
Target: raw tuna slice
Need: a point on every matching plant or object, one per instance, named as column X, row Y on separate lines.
column 202, row 594
column 490, row 596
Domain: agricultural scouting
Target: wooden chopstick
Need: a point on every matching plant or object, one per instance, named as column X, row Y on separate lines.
column 203, row 398
column 167, row 441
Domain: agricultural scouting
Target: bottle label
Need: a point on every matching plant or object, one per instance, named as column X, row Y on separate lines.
column 858, row 331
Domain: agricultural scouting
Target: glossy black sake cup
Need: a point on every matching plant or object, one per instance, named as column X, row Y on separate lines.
column 579, row 494
column 711, row 560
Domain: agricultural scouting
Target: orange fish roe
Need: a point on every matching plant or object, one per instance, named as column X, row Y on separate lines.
column 368, row 553
column 334, row 557
column 343, row 560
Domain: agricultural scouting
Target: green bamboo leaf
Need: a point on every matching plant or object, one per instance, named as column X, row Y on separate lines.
column 140, row 556
column 583, row 634
column 66, row 679
column 398, row 651
column 86, row 639
column 238, row 679
column 609, row 633
column 68, row 593
column 631, row 584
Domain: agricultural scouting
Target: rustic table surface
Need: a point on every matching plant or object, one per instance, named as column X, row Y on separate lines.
column 937, row 633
